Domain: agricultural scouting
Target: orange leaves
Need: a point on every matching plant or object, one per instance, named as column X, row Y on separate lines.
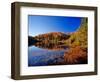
column 76, row 55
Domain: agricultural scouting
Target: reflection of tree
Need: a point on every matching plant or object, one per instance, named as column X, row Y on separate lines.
column 51, row 46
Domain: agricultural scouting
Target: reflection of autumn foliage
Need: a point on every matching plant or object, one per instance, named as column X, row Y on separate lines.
column 51, row 46
column 76, row 55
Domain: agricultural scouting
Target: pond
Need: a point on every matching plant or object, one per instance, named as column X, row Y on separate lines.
column 44, row 55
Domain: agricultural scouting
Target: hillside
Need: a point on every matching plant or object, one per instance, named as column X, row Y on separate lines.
column 79, row 38
column 52, row 37
column 78, row 45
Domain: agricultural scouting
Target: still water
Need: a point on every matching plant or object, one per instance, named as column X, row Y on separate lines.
column 43, row 57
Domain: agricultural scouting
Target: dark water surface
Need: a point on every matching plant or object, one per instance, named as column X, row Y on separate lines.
column 44, row 55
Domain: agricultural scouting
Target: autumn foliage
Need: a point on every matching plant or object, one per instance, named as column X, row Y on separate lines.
column 76, row 55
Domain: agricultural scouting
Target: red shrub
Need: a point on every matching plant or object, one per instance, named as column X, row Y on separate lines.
column 76, row 55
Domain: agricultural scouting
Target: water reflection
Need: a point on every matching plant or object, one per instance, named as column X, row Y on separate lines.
column 41, row 54
column 51, row 46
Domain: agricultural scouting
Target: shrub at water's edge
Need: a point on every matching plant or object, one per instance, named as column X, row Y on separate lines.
column 31, row 40
column 76, row 55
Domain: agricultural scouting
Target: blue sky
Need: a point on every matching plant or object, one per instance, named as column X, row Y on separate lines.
column 45, row 24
